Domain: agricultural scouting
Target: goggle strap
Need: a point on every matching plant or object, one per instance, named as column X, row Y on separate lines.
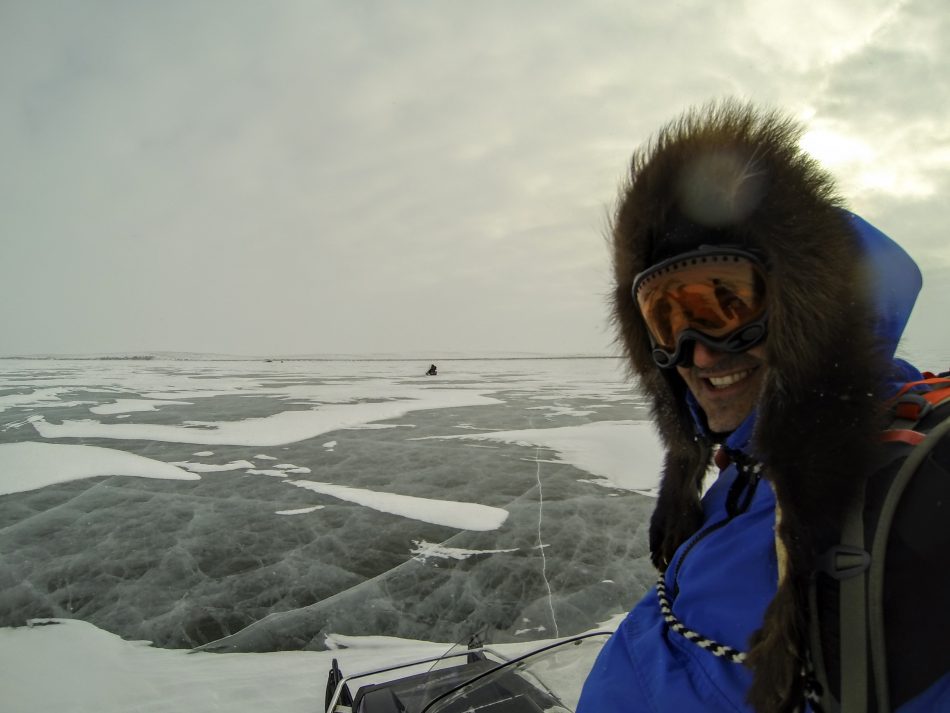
column 744, row 338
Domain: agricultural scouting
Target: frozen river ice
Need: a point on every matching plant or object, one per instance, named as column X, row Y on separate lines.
column 263, row 506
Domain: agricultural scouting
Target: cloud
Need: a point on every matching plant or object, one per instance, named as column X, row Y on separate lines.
column 890, row 97
column 316, row 176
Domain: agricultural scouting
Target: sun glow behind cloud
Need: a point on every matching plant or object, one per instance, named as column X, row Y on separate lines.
column 863, row 168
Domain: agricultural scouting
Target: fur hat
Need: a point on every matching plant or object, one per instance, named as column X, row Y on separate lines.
column 729, row 173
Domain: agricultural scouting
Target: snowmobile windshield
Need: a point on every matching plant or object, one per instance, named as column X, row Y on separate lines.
column 547, row 679
column 483, row 679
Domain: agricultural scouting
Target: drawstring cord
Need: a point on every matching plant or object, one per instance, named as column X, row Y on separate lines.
column 703, row 642
column 737, row 501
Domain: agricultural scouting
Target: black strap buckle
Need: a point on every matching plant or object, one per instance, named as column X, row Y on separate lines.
column 843, row 562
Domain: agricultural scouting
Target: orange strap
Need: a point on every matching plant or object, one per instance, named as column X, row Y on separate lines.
column 930, row 380
column 902, row 435
column 913, row 405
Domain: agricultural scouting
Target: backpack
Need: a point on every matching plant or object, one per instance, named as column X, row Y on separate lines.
column 879, row 624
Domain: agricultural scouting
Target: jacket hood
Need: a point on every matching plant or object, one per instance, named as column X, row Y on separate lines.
column 894, row 281
column 839, row 293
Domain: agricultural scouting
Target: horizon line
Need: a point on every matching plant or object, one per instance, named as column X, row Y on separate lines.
column 201, row 356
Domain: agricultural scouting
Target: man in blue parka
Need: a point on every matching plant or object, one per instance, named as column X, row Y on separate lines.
column 761, row 319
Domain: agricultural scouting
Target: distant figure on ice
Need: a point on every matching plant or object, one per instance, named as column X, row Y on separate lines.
column 432, row 371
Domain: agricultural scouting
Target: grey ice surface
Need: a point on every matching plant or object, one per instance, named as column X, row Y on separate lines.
column 188, row 563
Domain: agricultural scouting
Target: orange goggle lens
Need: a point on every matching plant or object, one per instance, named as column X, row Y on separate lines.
column 714, row 294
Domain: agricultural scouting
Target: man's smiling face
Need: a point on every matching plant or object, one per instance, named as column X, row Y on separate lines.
column 726, row 385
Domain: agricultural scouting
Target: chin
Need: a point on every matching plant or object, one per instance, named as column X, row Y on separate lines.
column 723, row 429
column 726, row 422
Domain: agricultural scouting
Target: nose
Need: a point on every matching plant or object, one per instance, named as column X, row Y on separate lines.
column 705, row 356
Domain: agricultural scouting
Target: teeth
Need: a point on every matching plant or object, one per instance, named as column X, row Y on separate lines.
column 720, row 382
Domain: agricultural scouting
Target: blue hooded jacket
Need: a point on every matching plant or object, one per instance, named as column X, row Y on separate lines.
column 722, row 579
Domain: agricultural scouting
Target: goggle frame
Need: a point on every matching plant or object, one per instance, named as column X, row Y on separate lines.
column 743, row 337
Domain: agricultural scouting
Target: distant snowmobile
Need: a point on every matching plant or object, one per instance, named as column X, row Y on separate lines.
column 474, row 679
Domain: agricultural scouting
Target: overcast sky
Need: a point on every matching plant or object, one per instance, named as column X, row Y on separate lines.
column 407, row 176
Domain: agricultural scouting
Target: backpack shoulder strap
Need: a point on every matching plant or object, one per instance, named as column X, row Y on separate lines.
column 860, row 611
column 878, row 563
column 852, row 566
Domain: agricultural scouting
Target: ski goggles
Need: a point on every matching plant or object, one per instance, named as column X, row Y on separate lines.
column 712, row 295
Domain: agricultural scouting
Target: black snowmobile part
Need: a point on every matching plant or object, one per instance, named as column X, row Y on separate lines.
column 487, row 685
column 334, row 678
column 338, row 692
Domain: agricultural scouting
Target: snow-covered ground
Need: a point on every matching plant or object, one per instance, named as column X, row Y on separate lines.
column 68, row 665
column 534, row 472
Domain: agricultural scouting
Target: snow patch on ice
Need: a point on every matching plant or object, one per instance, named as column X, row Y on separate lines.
column 267, row 471
column 534, row 629
column 450, row 513
column 211, row 468
column 622, row 454
column 275, row 430
column 377, row 426
column 73, row 666
column 134, row 405
column 30, row 465
column 424, row 550
column 559, row 410
column 38, row 398
column 292, row 468
column 300, row 511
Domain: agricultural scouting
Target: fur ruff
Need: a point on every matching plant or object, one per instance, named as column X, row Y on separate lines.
column 730, row 174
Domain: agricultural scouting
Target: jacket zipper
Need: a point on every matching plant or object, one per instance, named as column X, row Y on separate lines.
column 744, row 487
